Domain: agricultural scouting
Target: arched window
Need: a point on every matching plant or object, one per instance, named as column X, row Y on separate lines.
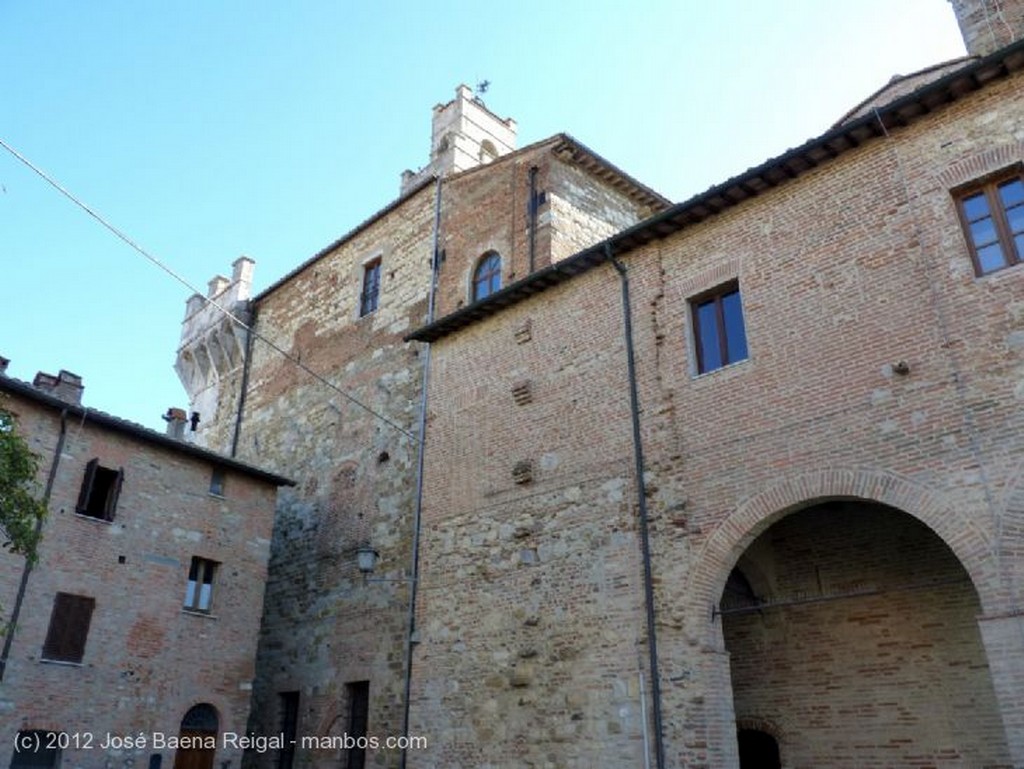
column 488, row 152
column 487, row 276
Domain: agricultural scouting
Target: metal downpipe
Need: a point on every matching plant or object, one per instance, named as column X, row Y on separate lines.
column 415, row 564
column 23, row 585
column 645, row 545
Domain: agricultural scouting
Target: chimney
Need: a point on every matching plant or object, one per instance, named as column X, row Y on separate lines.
column 988, row 25
column 176, row 420
column 66, row 386
column 4, row 362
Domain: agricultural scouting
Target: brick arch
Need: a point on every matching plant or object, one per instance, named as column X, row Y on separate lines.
column 753, row 516
column 761, row 725
column 981, row 163
column 226, row 721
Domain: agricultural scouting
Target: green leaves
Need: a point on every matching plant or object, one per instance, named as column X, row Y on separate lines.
column 20, row 510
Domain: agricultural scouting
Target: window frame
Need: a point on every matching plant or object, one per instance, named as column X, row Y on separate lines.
column 358, row 694
column 218, row 480
column 988, row 186
column 493, row 262
column 717, row 295
column 68, row 631
column 86, row 504
column 369, row 293
column 202, row 568
column 35, row 743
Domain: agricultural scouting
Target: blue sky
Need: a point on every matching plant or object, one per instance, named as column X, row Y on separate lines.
column 207, row 130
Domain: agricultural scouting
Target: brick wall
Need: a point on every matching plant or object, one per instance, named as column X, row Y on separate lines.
column 146, row 660
column 844, row 272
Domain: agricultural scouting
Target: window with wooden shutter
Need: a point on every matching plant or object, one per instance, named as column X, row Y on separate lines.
column 69, row 627
column 100, row 491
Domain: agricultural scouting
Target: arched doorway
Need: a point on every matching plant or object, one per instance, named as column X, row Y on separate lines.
column 758, row 749
column 200, row 725
column 853, row 626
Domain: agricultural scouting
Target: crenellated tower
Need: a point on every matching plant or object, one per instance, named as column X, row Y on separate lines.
column 464, row 134
column 212, row 344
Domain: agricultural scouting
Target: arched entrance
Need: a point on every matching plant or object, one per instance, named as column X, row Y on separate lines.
column 853, row 626
column 200, row 726
column 758, row 749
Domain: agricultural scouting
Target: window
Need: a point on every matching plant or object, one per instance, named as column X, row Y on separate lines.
column 289, row 728
column 217, row 482
column 371, row 288
column 488, row 151
column 199, row 592
column 718, row 328
column 992, row 216
column 487, row 276
column 69, row 627
column 358, row 716
column 100, row 489
column 36, row 749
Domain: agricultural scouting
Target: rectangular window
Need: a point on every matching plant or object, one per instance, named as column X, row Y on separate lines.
column 217, row 482
column 199, row 592
column 289, row 728
column 371, row 288
column 992, row 216
column 718, row 329
column 100, row 489
column 69, row 627
column 36, row 749
column 358, row 716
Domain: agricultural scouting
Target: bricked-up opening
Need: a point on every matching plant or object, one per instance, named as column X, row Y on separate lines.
column 100, row 491
column 69, row 628
column 36, row 749
column 358, row 694
column 863, row 640
column 758, row 750
column 289, row 705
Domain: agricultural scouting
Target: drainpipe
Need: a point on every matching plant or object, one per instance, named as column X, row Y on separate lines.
column 641, row 490
column 435, row 265
column 246, row 365
column 533, row 215
column 23, row 585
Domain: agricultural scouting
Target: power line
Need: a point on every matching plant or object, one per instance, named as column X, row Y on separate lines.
column 227, row 313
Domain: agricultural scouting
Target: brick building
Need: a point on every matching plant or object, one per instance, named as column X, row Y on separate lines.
column 141, row 615
column 729, row 482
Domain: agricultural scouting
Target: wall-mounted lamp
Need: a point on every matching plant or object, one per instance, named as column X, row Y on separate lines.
column 366, row 558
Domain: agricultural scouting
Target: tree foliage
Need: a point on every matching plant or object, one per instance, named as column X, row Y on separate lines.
column 20, row 509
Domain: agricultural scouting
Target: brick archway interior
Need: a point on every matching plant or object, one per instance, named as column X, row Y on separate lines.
column 861, row 643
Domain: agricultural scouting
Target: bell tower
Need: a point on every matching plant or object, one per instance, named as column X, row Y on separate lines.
column 988, row 25
column 464, row 134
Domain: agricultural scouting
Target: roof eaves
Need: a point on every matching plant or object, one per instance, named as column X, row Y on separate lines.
column 754, row 181
column 585, row 156
column 25, row 390
column 373, row 218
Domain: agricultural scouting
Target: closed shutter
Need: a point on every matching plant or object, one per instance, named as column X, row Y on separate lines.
column 69, row 627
